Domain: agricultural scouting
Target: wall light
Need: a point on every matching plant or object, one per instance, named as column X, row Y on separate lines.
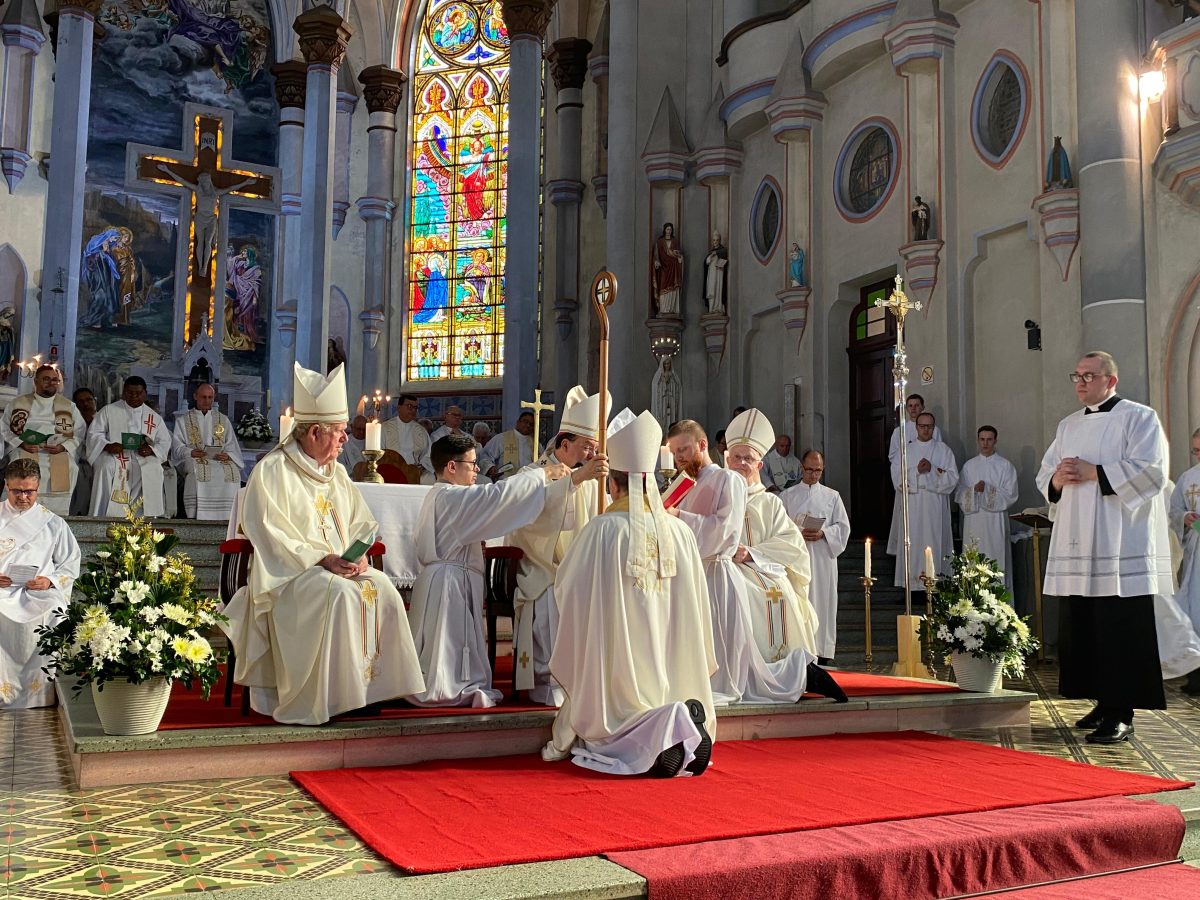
column 1152, row 83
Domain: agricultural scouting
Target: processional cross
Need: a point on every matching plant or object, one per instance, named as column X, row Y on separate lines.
column 538, row 408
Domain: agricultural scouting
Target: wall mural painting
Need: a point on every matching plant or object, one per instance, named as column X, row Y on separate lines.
column 153, row 57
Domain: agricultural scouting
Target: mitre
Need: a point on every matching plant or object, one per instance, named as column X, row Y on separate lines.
column 751, row 428
column 635, row 447
column 320, row 398
column 581, row 413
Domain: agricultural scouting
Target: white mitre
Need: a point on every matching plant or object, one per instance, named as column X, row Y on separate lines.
column 581, row 413
column 320, row 398
column 633, row 448
column 751, row 428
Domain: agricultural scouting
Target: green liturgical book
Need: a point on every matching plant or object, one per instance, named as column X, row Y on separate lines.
column 32, row 436
column 131, row 440
column 1196, row 525
column 355, row 551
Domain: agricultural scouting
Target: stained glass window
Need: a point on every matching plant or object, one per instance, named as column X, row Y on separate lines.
column 456, row 245
column 870, row 171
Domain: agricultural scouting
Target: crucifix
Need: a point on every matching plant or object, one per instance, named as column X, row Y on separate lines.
column 209, row 183
column 538, row 407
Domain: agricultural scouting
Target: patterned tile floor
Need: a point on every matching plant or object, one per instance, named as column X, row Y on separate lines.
column 188, row 838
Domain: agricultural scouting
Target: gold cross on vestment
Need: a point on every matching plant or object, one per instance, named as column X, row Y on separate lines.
column 369, row 593
column 524, row 660
column 1192, row 493
column 538, row 407
column 774, row 595
column 324, row 508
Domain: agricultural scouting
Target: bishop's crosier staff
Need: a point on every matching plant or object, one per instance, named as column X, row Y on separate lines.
column 604, row 292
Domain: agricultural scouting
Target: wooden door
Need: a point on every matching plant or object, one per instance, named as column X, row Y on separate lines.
column 871, row 348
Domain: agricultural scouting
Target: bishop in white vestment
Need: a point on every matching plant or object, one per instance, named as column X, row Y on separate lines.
column 40, row 543
column 46, row 427
column 510, row 451
column 316, row 633
column 207, row 454
column 1184, row 513
column 825, row 544
column 447, row 600
column 121, row 475
column 987, row 487
column 406, row 436
column 932, row 478
column 635, row 642
column 914, row 406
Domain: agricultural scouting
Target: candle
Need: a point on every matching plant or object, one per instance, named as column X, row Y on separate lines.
column 362, row 405
column 285, row 424
column 267, row 401
column 373, row 436
column 665, row 459
column 867, row 561
column 930, row 571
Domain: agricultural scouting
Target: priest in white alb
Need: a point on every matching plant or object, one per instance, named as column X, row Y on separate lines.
column 127, row 444
column 46, row 427
column 447, row 600
column 987, row 487
column 635, row 642
column 317, row 632
column 772, row 555
column 406, row 436
column 826, row 533
column 356, row 442
column 932, row 478
column 570, row 503
column 914, row 405
column 39, row 562
column 207, row 454
column 510, row 451
column 1184, row 513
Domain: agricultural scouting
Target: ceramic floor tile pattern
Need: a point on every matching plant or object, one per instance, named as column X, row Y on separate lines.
column 179, row 839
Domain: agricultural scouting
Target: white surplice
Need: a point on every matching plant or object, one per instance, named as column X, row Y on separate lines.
column 896, row 535
column 209, row 487
column 410, row 440
column 928, row 509
column 447, row 600
column 985, row 513
column 630, row 652
column 312, row 644
column 1186, row 499
column 1116, row 545
column 779, row 471
column 36, row 537
column 777, row 575
column 43, row 418
column 715, row 510
column 823, row 502
column 127, row 471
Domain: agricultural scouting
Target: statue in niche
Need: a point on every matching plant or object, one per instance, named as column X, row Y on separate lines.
column 796, row 266
column 667, row 272
column 666, row 394
column 8, row 342
column 920, row 219
column 1058, row 168
column 335, row 354
column 715, row 266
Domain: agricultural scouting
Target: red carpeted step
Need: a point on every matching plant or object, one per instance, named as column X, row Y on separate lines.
column 1174, row 882
column 914, row 859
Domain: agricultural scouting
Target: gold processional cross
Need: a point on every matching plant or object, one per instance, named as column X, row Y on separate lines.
column 538, row 408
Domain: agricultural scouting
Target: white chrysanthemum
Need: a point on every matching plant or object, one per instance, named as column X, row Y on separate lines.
column 943, row 633
column 155, row 563
column 138, row 592
column 971, row 643
column 151, row 614
column 177, row 613
column 206, row 618
column 961, row 633
column 103, row 554
column 158, row 536
column 154, row 646
column 133, row 539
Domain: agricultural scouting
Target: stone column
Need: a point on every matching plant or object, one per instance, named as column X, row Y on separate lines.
column 738, row 11
column 568, row 65
column 290, row 80
column 347, row 102
column 63, row 242
column 1112, row 257
column 323, row 35
column 23, row 39
column 383, row 89
column 598, row 72
column 527, row 21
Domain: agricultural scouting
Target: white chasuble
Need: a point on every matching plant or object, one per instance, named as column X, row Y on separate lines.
column 629, row 652
column 210, row 485
column 119, row 479
column 311, row 644
column 410, row 440
column 1186, row 499
column 928, row 509
column 822, row 502
column 985, row 513
column 777, row 573
column 38, row 538
column 1116, row 545
column 447, row 599
column 715, row 510
column 59, row 422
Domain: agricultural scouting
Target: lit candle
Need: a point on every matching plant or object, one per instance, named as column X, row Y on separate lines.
column 665, row 459
column 867, row 561
column 930, row 571
column 373, row 436
column 362, row 405
column 285, row 424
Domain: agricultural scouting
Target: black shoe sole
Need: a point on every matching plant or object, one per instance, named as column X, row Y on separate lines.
column 699, row 765
column 668, row 764
column 821, row 682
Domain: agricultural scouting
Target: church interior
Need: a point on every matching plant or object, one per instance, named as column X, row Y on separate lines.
column 868, row 262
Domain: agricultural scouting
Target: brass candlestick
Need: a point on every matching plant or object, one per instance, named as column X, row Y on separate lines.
column 930, row 583
column 372, row 458
column 867, row 582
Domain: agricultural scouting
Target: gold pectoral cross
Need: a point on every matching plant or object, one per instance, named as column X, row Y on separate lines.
column 324, row 508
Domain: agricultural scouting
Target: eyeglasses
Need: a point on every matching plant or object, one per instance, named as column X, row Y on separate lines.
column 809, row 471
column 1085, row 377
column 23, row 493
column 467, row 462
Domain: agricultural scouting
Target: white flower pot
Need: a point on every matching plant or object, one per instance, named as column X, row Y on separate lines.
column 980, row 675
column 126, row 708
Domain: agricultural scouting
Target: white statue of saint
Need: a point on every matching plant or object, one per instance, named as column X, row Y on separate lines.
column 714, row 275
column 666, row 392
column 208, row 202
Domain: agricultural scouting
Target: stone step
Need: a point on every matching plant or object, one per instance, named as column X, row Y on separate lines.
column 198, row 540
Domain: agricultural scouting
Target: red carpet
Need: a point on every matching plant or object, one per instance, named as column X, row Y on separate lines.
column 189, row 709
column 1177, row 882
column 430, row 817
column 941, row 856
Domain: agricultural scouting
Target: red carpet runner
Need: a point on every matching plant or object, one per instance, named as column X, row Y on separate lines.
column 1178, row 882
column 446, row 815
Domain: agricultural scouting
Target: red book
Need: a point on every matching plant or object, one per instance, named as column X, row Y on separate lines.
column 677, row 490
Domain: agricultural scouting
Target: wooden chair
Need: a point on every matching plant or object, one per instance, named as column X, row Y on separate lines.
column 501, row 574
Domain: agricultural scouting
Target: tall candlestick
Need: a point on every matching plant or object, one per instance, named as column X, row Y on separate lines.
column 373, row 436
column 867, row 561
column 286, row 422
column 930, row 571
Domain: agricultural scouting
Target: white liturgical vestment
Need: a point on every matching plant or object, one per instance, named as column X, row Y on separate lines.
column 780, row 471
column 312, row 644
column 928, row 509
column 822, row 502
column 509, row 451
column 352, row 453
column 447, row 599
column 896, row 535
column 59, row 419
column 38, row 538
column 1186, row 499
column 410, row 440
column 120, row 478
column 985, row 513
column 210, row 486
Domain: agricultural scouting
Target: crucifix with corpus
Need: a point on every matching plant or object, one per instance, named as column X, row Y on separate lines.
column 208, row 182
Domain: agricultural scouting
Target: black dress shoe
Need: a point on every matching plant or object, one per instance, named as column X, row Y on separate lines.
column 1092, row 720
column 699, row 765
column 668, row 764
column 826, row 662
column 1192, row 685
column 821, row 682
column 1111, row 732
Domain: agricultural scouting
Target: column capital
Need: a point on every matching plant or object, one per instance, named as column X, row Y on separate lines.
column 527, row 18
column 794, row 118
column 291, row 78
column 569, row 62
column 383, row 88
column 323, row 36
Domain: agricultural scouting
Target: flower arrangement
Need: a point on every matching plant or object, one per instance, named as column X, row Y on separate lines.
column 253, row 426
column 135, row 615
column 972, row 614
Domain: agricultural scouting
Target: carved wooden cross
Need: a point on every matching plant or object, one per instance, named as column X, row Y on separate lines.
column 538, row 408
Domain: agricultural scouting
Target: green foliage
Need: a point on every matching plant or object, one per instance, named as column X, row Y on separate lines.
column 253, row 426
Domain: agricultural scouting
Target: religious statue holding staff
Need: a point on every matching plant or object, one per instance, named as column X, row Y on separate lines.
column 715, row 265
column 666, row 274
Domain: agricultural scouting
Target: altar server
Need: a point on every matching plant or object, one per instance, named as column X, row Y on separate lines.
column 987, row 487
column 914, row 405
column 120, row 474
column 206, row 452
column 1184, row 514
column 932, row 478
column 406, row 436
column 46, row 427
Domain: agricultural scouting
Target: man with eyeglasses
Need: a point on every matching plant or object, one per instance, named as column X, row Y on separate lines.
column 408, row 437
column 1185, row 514
column 46, row 427
column 39, row 562
column 932, row 479
column 987, row 487
column 1105, row 477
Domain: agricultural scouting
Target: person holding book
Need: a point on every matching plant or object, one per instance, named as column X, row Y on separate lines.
column 46, row 427
column 1184, row 512
column 315, row 630
column 127, row 444
column 207, row 454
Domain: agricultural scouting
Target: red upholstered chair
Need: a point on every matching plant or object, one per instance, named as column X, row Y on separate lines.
column 501, row 564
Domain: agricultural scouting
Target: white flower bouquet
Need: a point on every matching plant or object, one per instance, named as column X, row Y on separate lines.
column 972, row 614
column 135, row 615
column 253, row 426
